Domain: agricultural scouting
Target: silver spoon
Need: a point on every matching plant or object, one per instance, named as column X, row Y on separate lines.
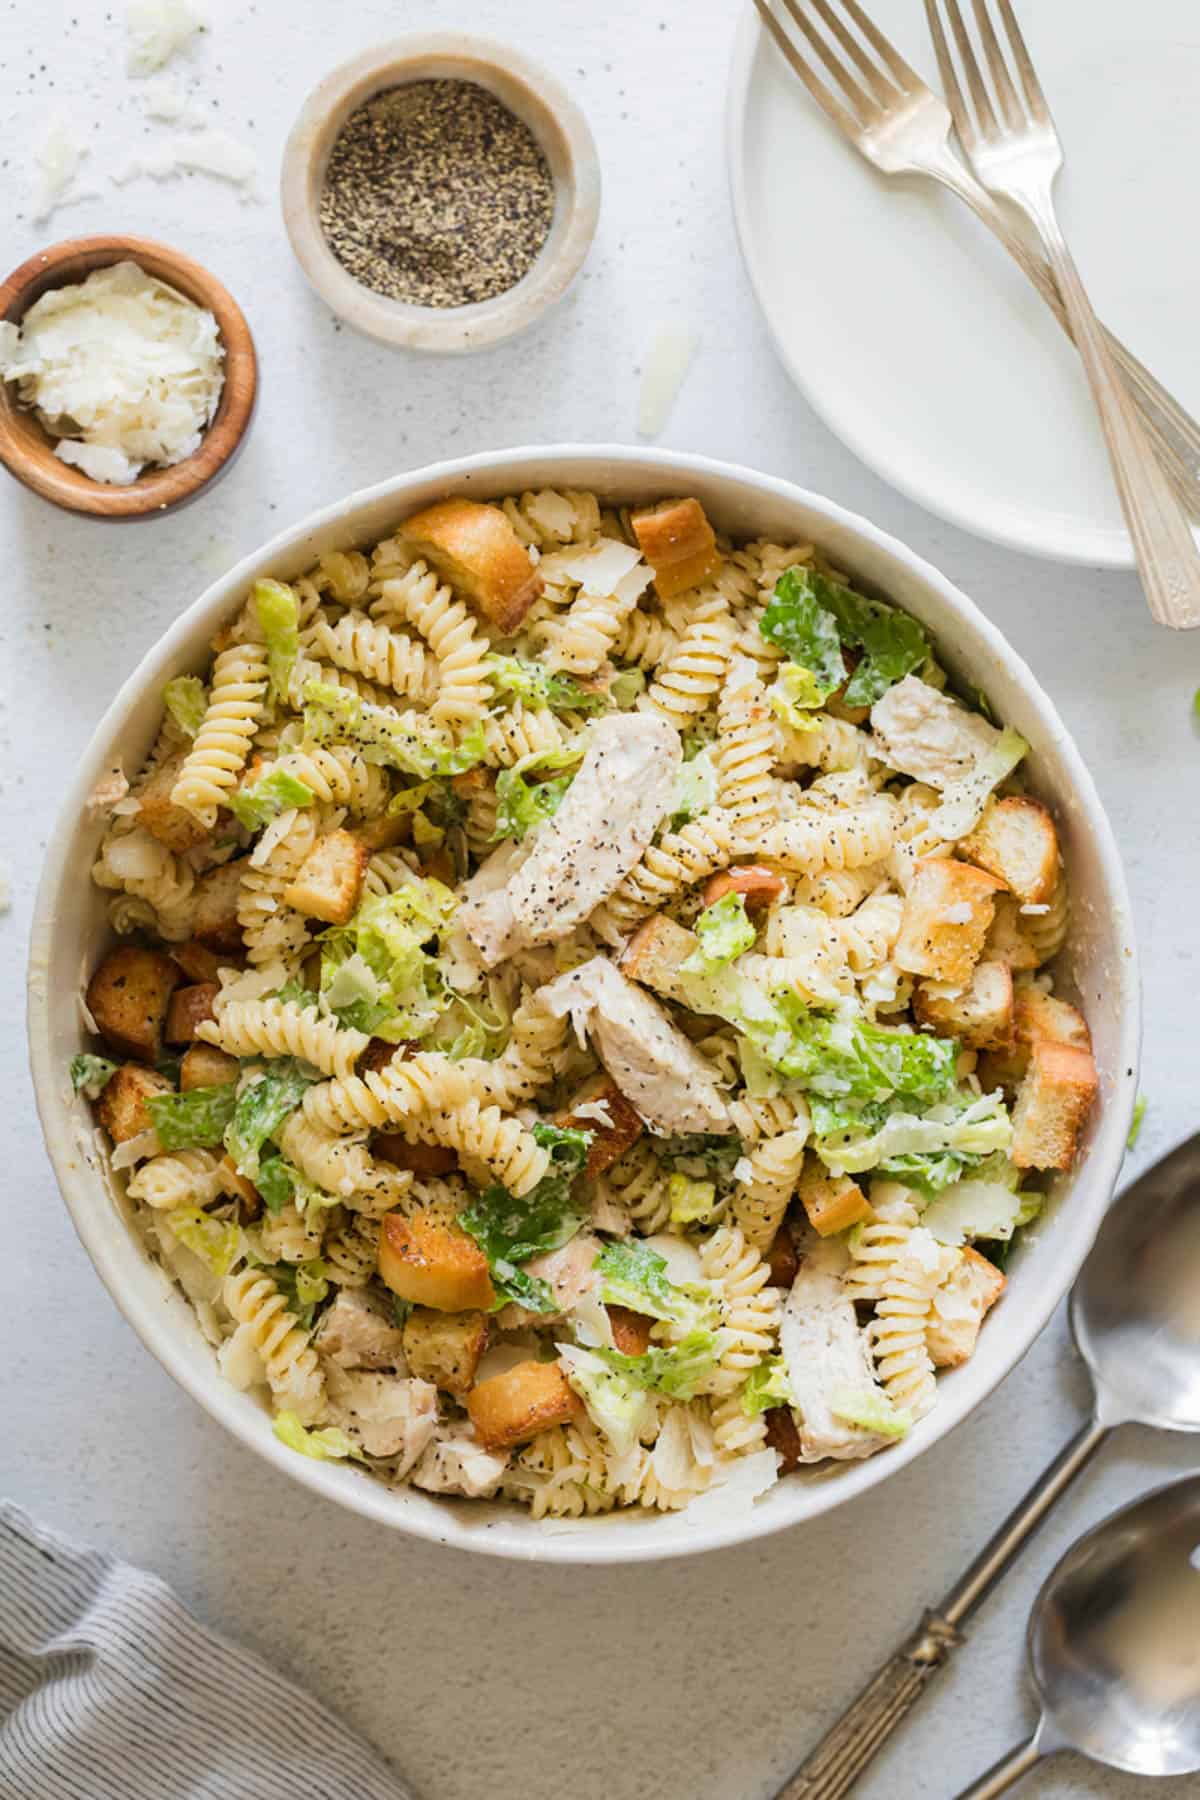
column 1135, row 1313
column 1114, row 1646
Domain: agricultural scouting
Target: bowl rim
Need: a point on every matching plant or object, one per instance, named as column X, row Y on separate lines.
column 159, row 490
column 537, row 98
column 77, row 1181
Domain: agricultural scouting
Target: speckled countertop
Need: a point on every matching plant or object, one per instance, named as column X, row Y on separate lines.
column 698, row 1680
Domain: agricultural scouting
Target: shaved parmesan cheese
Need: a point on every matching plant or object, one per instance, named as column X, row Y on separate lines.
column 58, row 159
column 155, row 30
column 136, row 1149
column 593, row 1109
column 730, row 1498
column 601, row 566
column 164, row 99
column 670, row 357
column 120, row 368
column 203, row 152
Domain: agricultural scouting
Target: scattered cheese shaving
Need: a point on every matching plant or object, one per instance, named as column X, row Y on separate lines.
column 667, row 364
column 164, row 99
column 155, row 30
column 594, row 1109
column 58, row 159
column 201, row 152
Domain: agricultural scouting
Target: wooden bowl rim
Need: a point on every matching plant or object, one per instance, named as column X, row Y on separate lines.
column 156, row 490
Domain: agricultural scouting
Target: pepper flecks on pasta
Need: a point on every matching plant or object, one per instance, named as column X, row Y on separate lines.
column 552, row 1030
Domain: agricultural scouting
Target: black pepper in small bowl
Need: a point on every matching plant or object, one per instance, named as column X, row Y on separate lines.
column 436, row 194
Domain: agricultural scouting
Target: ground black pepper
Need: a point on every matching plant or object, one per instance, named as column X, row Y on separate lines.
column 436, row 194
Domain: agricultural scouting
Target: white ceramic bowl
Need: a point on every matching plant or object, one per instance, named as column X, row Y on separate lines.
column 70, row 931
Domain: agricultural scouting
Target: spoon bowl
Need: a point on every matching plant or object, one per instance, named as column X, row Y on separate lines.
column 1134, row 1308
column 1114, row 1640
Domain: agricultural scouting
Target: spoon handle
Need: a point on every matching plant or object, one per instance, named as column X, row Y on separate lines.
column 854, row 1741
column 1007, row 1772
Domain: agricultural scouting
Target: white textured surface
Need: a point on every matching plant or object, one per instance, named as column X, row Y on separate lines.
column 702, row 1679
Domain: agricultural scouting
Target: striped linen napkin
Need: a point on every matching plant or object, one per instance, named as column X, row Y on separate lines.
column 110, row 1690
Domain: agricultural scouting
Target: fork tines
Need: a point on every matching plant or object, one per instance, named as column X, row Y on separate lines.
column 854, row 54
column 1018, row 107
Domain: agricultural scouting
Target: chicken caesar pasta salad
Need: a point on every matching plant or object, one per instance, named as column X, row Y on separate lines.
column 580, row 1029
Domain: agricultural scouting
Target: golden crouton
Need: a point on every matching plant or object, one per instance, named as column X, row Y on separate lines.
column 832, row 1202
column 512, row 1408
column 757, row 884
column 611, row 1138
column 215, row 921
column 177, row 829
column 121, row 1108
column 197, row 961
column 445, row 1348
column 979, row 1015
column 1037, row 1017
column 948, row 910
column 478, row 552
column 1006, row 941
column 424, row 1261
column 386, row 831
column 128, row 997
column 1053, row 1102
column 678, row 542
column 1016, row 841
column 781, row 1258
column 974, row 1283
column 203, row 1065
column 190, row 1006
column 654, row 953
column 783, row 1436
column 631, row 1330
column 330, row 878
column 423, row 1159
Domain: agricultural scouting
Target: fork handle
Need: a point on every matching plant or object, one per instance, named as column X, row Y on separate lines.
column 1163, row 544
column 1172, row 430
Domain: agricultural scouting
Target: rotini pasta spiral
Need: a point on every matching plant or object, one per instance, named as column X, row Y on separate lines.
column 750, row 1309
column 341, row 1166
column 679, row 860
column 180, row 1178
column 735, row 1431
column 746, row 752
column 833, row 840
column 828, row 744
column 870, row 932
column 637, row 1186
column 218, row 754
column 525, row 731
column 551, row 518
column 288, row 1236
column 284, row 1028
column 369, row 648
column 464, row 691
column 581, row 639
column 644, row 641
column 350, row 1250
column 291, row 1365
column 761, row 1199
column 271, row 931
column 685, row 685
column 144, row 868
column 339, row 775
column 1047, row 931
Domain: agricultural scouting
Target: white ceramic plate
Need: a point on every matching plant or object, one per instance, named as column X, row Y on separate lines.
column 908, row 327
column 70, row 931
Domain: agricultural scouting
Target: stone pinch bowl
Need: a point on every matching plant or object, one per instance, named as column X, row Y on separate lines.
column 528, row 91
column 71, row 931
column 27, row 449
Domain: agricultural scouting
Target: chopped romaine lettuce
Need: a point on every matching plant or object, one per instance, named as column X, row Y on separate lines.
column 963, row 800
column 794, row 696
column 871, row 1410
column 400, row 741
column 812, row 618
column 192, row 1121
column 279, row 1181
column 510, row 1230
column 984, row 1204
column 695, row 787
column 969, row 1127
column 295, row 993
column 217, row 1242
column 625, row 687
column 521, row 806
column 401, row 1309
column 539, row 686
column 279, row 615
column 1135, row 1124
column 270, row 795
column 767, row 1386
column 704, row 1156
column 724, row 932
column 692, row 1202
column 617, row 1405
column 261, row 1109
column 377, row 974
column 805, row 630
column 329, row 1444
column 675, row 1370
column 304, row 1286
column 90, row 1075
column 186, row 699
column 634, row 1275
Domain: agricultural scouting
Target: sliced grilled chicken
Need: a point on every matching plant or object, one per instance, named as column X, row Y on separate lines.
column 925, row 735
column 827, row 1357
column 663, row 1076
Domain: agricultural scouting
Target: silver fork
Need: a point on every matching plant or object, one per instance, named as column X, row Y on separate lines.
column 1015, row 151
column 881, row 105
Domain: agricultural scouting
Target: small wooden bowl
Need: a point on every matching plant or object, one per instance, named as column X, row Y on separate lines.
column 27, row 449
column 536, row 98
